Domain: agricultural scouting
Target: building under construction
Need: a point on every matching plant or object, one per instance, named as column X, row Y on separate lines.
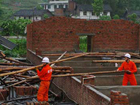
column 78, row 78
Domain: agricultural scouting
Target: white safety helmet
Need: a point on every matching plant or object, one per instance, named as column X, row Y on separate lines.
column 46, row 60
column 127, row 55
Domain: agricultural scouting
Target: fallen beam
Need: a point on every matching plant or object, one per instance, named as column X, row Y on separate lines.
column 113, row 61
column 75, row 54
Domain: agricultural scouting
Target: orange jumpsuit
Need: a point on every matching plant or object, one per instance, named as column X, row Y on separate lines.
column 45, row 77
column 129, row 77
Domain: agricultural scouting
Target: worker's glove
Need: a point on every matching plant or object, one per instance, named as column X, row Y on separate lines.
column 118, row 70
column 36, row 68
column 128, row 72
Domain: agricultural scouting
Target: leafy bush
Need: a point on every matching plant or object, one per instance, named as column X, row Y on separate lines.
column 105, row 17
column 18, row 51
column 133, row 17
column 116, row 17
column 45, row 16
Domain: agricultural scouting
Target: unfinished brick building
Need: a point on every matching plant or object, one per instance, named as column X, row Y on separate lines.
column 58, row 34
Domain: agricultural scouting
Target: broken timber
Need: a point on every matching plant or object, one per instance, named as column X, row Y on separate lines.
column 13, row 60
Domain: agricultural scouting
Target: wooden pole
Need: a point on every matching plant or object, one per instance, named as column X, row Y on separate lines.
column 113, row 61
column 31, row 68
column 9, row 64
column 81, row 74
column 75, row 54
column 11, row 68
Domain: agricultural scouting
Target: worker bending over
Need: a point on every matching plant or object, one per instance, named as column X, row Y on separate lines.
column 45, row 77
column 130, row 68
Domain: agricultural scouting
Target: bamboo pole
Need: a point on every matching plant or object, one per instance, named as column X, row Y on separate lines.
column 113, row 61
column 11, row 68
column 9, row 64
column 31, row 68
column 59, row 58
column 75, row 54
column 61, row 71
column 81, row 74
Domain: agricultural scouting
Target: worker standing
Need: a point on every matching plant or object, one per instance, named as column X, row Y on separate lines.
column 130, row 68
column 45, row 77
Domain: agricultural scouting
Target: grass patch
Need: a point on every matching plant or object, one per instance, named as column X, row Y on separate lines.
column 83, row 43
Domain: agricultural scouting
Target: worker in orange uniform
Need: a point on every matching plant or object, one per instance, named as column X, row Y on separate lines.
column 130, row 68
column 45, row 77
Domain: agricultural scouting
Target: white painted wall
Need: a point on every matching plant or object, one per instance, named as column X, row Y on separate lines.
column 88, row 15
column 36, row 18
column 58, row 3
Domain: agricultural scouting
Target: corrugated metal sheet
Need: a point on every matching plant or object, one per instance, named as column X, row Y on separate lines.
column 6, row 43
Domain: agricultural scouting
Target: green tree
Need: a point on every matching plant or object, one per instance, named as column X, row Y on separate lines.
column 116, row 17
column 97, row 7
column 0, row 10
column 14, row 27
column 39, row 7
column 133, row 17
column 105, row 17
column 45, row 0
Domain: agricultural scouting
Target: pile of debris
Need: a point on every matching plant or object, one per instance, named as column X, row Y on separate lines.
column 19, row 83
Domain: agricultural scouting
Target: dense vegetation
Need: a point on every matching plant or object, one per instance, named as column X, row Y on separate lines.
column 14, row 27
column 118, row 6
column 18, row 51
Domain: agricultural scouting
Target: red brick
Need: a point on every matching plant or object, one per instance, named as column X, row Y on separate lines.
column 3, row 94
column 118, row 34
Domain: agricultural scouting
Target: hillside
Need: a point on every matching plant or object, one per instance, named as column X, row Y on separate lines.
column 11, row 6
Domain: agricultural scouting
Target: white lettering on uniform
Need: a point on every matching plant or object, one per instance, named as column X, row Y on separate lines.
column 49, row 71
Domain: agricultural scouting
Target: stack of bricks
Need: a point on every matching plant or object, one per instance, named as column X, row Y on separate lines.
column 118, row 98
column 3, row 94
column 37, row 103
column 26, row 90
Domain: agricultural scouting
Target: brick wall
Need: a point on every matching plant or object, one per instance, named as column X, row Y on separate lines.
column 82, row 94
column 59, row 34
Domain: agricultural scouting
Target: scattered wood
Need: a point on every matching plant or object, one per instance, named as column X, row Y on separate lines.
column 31, row 68
column 13, row 60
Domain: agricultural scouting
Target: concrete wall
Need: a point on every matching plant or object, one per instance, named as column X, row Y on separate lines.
column 59, row 34
column 112, row 80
